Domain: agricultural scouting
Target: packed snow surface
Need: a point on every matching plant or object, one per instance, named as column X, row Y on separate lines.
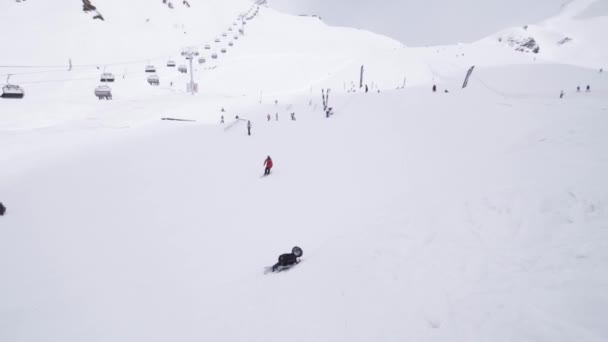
column 477, row 214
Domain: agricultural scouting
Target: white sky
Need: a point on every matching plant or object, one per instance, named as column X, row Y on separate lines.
column 426, row 22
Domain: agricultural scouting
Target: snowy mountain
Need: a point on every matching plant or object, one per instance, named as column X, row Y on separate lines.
column 475, row 214
column 576, row 36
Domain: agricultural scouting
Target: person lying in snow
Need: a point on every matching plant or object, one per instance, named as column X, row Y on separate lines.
column 287, row 260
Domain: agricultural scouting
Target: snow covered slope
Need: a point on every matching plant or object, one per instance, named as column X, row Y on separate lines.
column 435, row 217
column 474, row 215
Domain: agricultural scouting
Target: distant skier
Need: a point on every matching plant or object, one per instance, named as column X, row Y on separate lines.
column 366, row 88
column 2, row 209
column 588, row 88
column 561, row 94
column 268, row 164
column 276, row 116
column 578, row 89
column 268, row 117
column 236, row 117
column 248, row 127
column 287, row 260
column 434, row 88
column 293, row 116
column 222, row 119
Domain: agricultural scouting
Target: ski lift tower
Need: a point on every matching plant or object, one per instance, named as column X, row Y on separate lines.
column 190, row 54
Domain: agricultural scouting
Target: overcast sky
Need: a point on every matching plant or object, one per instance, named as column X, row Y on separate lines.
column 426, row 22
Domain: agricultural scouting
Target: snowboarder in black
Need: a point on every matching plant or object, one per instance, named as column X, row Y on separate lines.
column 561, row 94
column 2, row 209
column 248, row 127
column 434, row 88
column 588, row 88
column 293, row 116
column 287, row 260
column 222, row 119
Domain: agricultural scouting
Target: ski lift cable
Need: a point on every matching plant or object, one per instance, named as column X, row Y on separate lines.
column 60, row 68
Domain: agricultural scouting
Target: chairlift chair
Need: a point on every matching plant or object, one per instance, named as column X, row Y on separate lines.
column 153, row 80
column 107, row 77
column 183, row 69
column 150, row 68
column 207, row 47
column 223, row 50
column 103, row 92
column 12, row 91
column 230, row 44
column 171, row 64
column 214, row 55
column 201, row 60
column 217, row 40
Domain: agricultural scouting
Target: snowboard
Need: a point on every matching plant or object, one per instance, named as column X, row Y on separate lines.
column 280, row 268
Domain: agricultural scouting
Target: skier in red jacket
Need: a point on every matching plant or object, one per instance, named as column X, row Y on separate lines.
column 268, row 164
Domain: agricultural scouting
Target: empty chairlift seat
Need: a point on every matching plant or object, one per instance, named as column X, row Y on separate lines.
column 201, row 60
column 214, row 55
column 217, row 40
column 107, row 77
column 183, row 69
column 103, row 92
column 153, row 80
column 224, row 34
column 150, row 68
column 171, row 64
column 12, row 91
column 236, row 37
column 207, row 47
column 223, row 50
column 230, row 44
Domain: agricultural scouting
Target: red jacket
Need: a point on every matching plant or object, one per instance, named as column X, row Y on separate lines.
column 268, row 163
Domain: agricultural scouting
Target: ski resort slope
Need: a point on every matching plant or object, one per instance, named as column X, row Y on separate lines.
column 430, row 217
column 477, row 214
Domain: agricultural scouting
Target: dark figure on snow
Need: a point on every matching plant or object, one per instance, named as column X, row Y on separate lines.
column 288, row 259
column 329, row 112
column 276, row 116
column 588, row 88
column 293, row 116
column 268, row 165
column 237, row 117
column 561, row 94
column 222, row 120
column 578, row 89
column 268, row 117
column 2, row 209
column 366, row 88
column 434, row 88
column 248, row 127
